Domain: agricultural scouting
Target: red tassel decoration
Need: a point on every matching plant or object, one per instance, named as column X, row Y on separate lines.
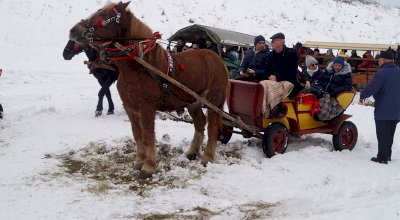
column 181, row 67
column 100, row 22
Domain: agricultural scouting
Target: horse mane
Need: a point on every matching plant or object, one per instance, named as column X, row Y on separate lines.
column 135, row 28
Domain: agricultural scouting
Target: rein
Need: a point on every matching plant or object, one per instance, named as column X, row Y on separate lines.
column 137, row 49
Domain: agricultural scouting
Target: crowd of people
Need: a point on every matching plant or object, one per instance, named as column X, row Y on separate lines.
column 201, row 43
column 281, row 65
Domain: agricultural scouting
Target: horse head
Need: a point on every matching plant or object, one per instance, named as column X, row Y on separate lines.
column 105, row 25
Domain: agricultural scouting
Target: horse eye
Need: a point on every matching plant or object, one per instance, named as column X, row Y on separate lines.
column 103, row 14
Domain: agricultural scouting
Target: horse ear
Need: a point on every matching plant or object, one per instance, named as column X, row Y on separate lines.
column 123, row 5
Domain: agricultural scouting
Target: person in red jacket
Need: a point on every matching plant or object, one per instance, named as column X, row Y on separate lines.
column 367, row 63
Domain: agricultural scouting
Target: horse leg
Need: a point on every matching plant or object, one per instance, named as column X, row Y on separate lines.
column 137, row 134
column 214, row 122
column 110, row 101
column 100, row 101
column 147, row 117
column 199, row 122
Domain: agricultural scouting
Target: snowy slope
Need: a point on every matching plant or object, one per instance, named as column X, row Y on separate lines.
column 33, row 33
column 49, row 122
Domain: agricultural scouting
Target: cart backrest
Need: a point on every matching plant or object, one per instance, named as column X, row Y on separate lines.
column 245, row 100
column 345, row 98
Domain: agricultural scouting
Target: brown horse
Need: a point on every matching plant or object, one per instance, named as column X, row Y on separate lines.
column 200, row 70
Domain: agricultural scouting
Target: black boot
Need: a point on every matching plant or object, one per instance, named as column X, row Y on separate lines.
column 377, row 160
column 1, row 111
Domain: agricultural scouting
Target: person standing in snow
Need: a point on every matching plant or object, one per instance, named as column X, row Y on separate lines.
column 384, row 87
column 1, row 107
column 105, row 74
column 253, row 64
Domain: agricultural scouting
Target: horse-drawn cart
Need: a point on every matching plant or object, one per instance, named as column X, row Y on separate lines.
column 143, row 92
column 245, row 100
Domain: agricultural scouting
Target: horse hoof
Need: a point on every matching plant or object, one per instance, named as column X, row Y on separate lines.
column 137, row 166
column 145, row 174
column 191, row 156
column 205, row 160
column 97, row 113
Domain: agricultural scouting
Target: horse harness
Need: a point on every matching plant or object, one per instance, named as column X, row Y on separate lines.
column 88, row 34
column 137, row 49
column 140, row 49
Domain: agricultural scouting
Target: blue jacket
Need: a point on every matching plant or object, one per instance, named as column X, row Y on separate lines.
column 256, row 62
column 385, row 87
column 337, row 82
column 311, row 78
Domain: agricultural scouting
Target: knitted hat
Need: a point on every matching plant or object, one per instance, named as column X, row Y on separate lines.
column 310, row 60
column 258, row 39
column 339, row 60
column 386, row 55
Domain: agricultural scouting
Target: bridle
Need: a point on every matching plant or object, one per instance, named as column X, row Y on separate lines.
column 88, row 34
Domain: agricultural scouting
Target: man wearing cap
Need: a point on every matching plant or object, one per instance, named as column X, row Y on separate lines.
column 253, row 65
column 384, row 87
column 281, row 63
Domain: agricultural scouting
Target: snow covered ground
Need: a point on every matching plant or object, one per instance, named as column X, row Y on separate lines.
column 59, row 162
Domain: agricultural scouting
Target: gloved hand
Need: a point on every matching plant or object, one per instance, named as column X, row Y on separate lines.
column 247, row 73
column 250, row 72
column 308, row 85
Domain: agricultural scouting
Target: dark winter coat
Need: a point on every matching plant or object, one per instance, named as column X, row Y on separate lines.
column 213, row 48
column 384, row 87
column 311, row 78
column 367, row 63
column 335, row 83
column 256, row 62
column 354, row 63
column 284, row 66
